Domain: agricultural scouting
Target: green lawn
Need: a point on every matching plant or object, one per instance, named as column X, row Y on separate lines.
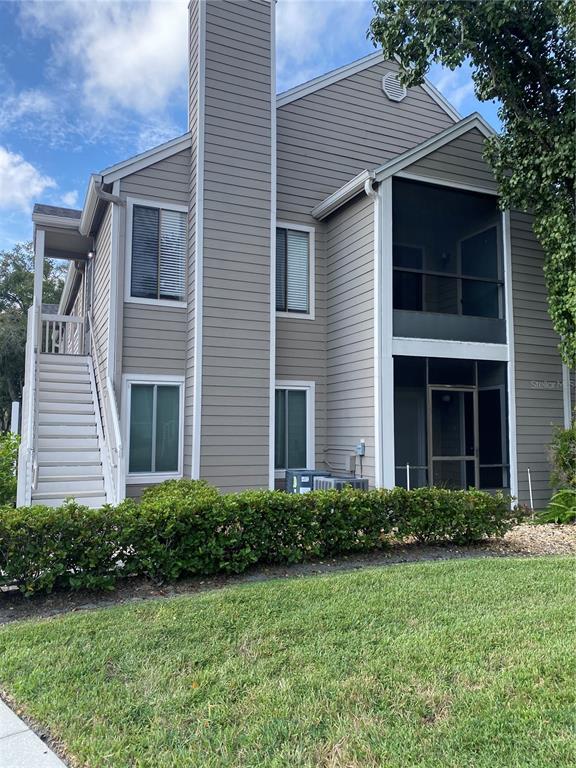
column 461, row 663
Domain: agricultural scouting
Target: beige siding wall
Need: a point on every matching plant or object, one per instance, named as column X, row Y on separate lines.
column 101, row 302
column 350, row 334
column 236, row 256
column 459, row 161
column 154, row 337
column 539, row 399
column 324, row 139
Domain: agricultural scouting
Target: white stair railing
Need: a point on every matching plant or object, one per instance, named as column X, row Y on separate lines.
column 27, row 459
column 106, row 402
column 62, row 335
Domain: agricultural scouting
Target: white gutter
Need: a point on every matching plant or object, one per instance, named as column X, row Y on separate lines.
column 93, row 195
column 343, row 195
column 70, row 276
column 90, row 204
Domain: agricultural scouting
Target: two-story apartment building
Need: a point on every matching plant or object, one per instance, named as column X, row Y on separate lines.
column 296, row 274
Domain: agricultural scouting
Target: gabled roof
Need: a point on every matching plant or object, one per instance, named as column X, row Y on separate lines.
column 55, row 216
column 397, row 164
column 144, row 159
column 286, row 97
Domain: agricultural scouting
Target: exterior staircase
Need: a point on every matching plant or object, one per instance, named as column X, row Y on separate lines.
column 69, row 458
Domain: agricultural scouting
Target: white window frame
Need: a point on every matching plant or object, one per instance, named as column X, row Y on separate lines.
column 310, row 388
column 130, row 203
column 310, row 315
column 128, row 379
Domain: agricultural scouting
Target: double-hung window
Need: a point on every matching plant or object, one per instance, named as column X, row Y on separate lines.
column 294, row 270
column 294, row 430
column 154, row 427
column 158, row 257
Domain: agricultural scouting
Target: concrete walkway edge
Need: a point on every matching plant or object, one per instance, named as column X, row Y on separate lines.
column 20, row 747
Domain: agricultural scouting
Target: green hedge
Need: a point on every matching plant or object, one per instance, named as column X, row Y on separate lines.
column 185, row 527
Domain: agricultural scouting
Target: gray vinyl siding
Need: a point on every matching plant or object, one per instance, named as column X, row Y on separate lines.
column 154, row 339
column 538, row 410
column 236, row 254
column 101, row 295
column 324, row 139
column 350, row 334
column 459, row 161
column 166, row 181
column 193, row 126
column 154, row 336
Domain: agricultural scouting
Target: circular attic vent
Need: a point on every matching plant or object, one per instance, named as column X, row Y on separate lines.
column 393, row 88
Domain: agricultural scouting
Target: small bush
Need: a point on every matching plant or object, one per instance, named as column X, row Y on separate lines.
column 9, row 443
column 563, row 457
column 562, row 508
column 186, row 527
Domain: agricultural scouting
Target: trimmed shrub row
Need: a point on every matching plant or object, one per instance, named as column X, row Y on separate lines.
column 185, row 527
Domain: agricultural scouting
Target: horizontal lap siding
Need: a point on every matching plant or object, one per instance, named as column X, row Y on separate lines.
column 324, row 139
column 350, row 345
column 101, row 301
column 236, row 258
column 166, row 182
column 459, row 161
column 538, row 410
column 155, row 337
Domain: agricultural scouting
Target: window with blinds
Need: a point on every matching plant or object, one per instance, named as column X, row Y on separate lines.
column 292, row 270
column 158, row 253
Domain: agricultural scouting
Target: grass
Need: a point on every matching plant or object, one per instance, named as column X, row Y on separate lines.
column 462, row 663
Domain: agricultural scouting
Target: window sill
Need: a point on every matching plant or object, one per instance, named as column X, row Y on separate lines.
column 296, row 315
column 156, row 302
column 152, row 477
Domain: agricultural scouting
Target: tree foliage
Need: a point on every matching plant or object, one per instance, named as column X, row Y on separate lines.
column 523, row 54
column 16, row 296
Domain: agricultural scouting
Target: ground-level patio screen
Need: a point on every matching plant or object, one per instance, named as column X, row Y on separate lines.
column 450, row 423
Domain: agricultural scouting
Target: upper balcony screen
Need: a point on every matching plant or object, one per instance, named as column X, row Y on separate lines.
column 447, row 251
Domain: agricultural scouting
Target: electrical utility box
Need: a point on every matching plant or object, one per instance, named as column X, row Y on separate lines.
column 325, row 483
column 302, row 480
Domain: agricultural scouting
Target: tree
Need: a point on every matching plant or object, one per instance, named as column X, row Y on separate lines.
column 16, row 296
column 522, row 53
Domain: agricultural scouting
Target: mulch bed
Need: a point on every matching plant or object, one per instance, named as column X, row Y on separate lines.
column 523, row 541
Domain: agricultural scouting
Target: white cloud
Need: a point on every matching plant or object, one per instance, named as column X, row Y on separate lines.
column 456, row 85
column 20, row 181
column 126, row 54
column 155, row 133
column 27, row 104
column 70, row 199
column 313, row 36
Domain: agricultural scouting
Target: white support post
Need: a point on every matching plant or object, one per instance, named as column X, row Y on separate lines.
column 567, row 397
column 387, row 362
column 15, row 417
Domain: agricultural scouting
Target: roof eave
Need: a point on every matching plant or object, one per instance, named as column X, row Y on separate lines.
column 342, row 195
column 397, row 164
column 90, row 204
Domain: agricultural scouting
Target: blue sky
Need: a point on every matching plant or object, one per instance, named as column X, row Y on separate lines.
column 86, row 83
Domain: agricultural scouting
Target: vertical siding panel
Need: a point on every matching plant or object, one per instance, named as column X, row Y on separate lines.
column 193, row 122
column 350, row 334
column 539, row 397
column 236, row 255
